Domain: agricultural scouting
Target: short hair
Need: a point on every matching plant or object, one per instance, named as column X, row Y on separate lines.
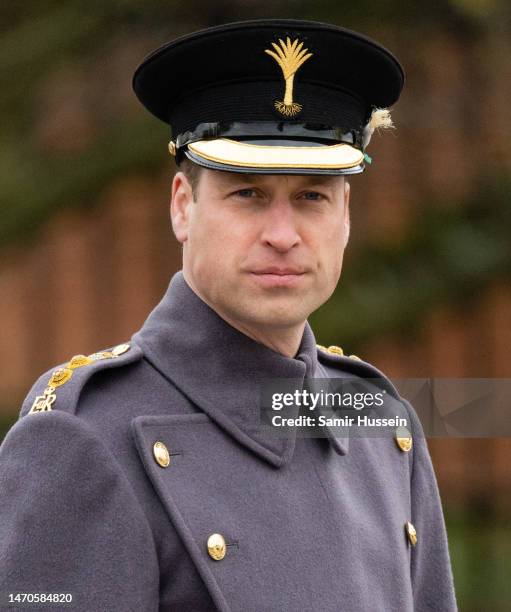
column 192, row 171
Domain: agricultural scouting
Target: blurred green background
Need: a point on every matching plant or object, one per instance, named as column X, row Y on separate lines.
column 86, row 248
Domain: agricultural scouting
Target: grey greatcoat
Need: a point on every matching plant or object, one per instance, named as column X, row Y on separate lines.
column 309, row 523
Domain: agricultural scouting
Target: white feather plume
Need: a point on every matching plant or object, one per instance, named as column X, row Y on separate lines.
column 380, row 119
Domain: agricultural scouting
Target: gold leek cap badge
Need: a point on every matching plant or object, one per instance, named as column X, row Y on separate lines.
column 289, row 56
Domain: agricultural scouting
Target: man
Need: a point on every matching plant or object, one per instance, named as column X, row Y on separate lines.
column 142, row 477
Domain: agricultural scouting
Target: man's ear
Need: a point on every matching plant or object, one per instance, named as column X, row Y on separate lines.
column 346, row 212
column 181, row 199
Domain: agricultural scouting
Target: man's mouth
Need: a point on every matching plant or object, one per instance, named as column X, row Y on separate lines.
column 276, row 276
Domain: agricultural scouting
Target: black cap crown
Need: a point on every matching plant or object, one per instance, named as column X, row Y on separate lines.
column 270, row 95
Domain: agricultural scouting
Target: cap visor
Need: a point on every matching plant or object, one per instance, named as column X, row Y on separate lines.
column 236, row 156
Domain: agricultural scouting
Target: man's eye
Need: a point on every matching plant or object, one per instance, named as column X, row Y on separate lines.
column 312, row 195
column 246, row 193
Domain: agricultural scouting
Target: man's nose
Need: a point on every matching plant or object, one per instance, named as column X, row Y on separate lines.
column 280, row 227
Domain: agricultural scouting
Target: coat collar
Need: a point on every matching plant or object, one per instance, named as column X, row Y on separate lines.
column 220, row 369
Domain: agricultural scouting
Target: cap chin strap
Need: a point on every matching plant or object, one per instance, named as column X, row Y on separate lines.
column 269, row 129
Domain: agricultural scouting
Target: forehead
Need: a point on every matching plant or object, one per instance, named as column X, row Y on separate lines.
column 292, row 181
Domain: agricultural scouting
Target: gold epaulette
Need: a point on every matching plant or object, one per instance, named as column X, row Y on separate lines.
column 61, row 376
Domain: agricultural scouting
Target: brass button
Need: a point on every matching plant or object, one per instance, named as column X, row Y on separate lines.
column 356, row 357
column 411, row 533
column 120, row 349
column 336, row 350
column 161, row 454
column 404, row 439
column 172, row 148
column 216, row 546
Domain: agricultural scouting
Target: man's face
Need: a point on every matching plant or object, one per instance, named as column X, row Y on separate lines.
column 262, row 250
